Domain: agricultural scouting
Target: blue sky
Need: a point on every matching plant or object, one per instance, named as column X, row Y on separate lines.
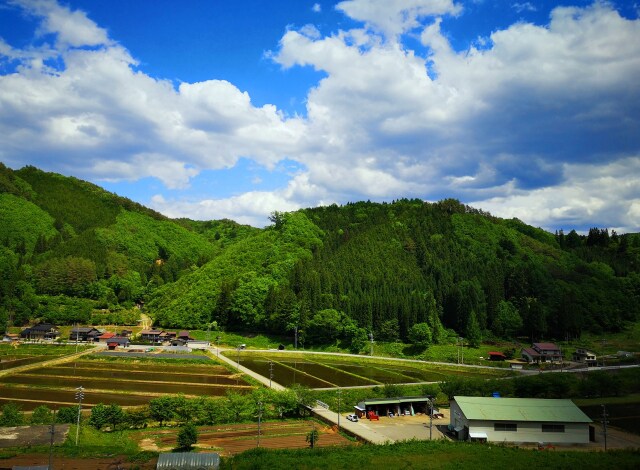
column 214, row 109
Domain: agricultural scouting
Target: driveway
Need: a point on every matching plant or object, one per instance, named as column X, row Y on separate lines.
column 402, row 428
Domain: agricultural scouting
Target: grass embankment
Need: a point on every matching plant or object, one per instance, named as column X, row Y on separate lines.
column 425, row 454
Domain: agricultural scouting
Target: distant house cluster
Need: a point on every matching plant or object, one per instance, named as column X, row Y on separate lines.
column 90, row 334
column 166, row 337
column 113, row 340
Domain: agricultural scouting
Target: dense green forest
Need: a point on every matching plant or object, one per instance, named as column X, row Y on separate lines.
column 406, row 270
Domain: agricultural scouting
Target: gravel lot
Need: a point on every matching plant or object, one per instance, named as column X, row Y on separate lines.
column 401, row 428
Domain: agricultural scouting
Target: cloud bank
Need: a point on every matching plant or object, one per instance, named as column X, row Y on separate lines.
column 540, row 122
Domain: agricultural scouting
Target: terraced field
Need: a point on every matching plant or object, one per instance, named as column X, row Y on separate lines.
column 317, row 371
column 12, row 357
column 125, row 382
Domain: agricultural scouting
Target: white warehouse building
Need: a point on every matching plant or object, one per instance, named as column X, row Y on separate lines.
column 519, row 420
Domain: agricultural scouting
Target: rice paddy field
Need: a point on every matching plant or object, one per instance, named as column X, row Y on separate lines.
column 316, row 371
column 24, row 354
column 127, row 382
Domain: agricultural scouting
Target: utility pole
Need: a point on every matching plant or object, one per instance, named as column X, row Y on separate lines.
column 259, row 419
column 79, row 397
column 604, row 425
column 371, row 337
column 462, row 350
column 270, row 372
column 295, row 343
column 218, row 348
column 75, row 359
column 430, row 418
column 339, row 393
column 52, row 431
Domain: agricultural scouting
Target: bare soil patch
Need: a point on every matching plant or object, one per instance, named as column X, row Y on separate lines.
column 233, row 439
column 22, row 436
column 106, row 463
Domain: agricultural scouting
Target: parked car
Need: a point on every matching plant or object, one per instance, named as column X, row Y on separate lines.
column 353, row 418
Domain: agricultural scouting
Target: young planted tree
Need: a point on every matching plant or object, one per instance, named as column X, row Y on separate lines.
column 136, row 418
column 312, row 437
column 99, row 416
column 162, row 409
column 187, row 436
column 41, row 415
column 67, row 414
column 12, row 415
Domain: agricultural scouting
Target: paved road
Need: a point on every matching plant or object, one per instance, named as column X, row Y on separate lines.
column 239, row 367
column 360, row 429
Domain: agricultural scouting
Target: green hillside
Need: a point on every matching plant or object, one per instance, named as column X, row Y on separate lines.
column 405, row 270
column 68, row 240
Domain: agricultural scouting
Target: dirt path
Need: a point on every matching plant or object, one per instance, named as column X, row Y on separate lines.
column 145, row 321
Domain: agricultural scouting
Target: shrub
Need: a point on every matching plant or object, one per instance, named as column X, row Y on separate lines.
column 187, row 436
column 11, row 415
column 41, row 415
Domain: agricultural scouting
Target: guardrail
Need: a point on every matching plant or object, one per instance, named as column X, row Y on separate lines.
column 322, row 404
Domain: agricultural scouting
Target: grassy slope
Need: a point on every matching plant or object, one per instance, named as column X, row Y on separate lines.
column 439, row 454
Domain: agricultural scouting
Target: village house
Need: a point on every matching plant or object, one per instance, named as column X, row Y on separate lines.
column 542, row 352
column 586, row 357
column 84, row 333
column 105, row 337
column 184, row 336
column 519, row 420
column 40, row 332
column 117, row 341
column 11, row 338
column 496, row 356
column 152, row 336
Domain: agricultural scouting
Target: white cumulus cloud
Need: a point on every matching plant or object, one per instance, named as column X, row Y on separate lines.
column 524, row 126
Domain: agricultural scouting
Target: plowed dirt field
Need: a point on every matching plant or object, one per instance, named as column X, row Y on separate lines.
column 235, row 438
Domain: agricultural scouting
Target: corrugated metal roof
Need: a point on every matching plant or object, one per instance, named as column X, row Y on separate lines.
column 546, row 346
column 394, row 400
column 521, row 409
column 188, row 461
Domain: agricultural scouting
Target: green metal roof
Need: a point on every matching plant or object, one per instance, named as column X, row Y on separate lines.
column 521, row 409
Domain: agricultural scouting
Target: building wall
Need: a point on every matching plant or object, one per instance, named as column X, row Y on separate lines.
column 574, row 433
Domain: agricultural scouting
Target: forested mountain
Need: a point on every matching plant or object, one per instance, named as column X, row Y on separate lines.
column 69, row 249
